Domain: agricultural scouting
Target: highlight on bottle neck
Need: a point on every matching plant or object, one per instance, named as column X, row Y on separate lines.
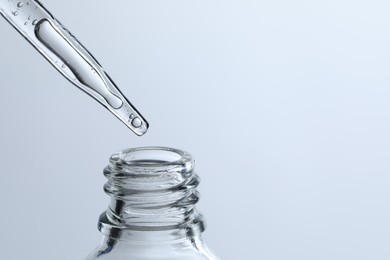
column 151, row 189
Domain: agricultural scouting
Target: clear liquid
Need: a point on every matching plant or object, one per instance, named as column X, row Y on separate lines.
column 82, row 69
column 70, row 58
column 136, row 122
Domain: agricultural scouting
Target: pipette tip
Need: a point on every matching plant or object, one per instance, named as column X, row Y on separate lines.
column 131, row 118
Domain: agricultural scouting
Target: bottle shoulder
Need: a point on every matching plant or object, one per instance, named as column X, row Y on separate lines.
column 155, row 254
column 196, row 250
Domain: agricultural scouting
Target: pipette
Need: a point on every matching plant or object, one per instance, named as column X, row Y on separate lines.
column 36, row 24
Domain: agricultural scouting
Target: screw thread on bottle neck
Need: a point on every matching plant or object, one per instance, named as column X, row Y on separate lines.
column 151, row 189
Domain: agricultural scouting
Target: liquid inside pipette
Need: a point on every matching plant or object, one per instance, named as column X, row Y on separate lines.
column 84, row 72
column 70, row 58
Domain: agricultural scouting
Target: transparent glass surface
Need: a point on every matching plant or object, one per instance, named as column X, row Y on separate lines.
column 48, row 36
column 151, row 214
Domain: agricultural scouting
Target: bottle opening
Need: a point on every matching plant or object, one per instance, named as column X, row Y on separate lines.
column 151, row 188
column 150, row 157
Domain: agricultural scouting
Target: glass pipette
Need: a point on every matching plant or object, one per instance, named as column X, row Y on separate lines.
column 37, row 25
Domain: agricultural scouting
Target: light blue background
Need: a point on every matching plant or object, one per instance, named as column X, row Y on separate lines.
column 284, row 105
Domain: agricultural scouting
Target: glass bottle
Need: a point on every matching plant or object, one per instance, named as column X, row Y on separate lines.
column 152, row 212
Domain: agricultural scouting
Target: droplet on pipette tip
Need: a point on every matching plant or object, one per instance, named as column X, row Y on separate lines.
column 15, row 13
column 136, row 122
column 20, row 4
column 35, row 22
column 63, row 66
column 29, row 17
column 25, row 23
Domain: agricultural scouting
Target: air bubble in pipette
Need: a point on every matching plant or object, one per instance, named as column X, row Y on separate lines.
column 71, row 59
column 136, row 122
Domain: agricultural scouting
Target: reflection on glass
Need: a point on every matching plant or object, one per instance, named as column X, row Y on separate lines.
column 152, row 212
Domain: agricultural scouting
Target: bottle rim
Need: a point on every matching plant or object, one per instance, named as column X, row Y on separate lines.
column 152, row 156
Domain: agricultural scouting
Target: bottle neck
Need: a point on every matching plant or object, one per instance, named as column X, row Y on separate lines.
column 152, row 197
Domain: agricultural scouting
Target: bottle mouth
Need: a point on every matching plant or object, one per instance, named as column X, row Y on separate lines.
column 151, row 160
column 150, row 168
column 151, row 188
column 150, row 157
